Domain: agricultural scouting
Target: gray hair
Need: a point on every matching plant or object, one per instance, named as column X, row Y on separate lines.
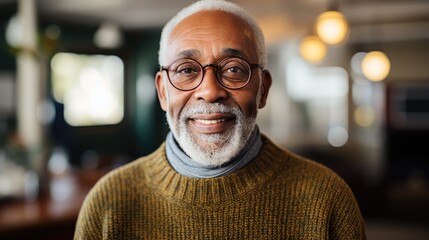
column 212, row 5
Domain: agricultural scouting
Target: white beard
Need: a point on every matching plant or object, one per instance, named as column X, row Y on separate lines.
column 212, row 149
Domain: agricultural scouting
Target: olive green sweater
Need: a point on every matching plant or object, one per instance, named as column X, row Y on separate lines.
column 277, row 196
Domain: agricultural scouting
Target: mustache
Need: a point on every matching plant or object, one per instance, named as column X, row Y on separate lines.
column 207, row 108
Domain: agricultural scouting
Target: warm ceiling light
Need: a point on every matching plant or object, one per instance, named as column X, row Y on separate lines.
column 332, row 27
column 364, row 115
column 312, row 49
column 376, row 66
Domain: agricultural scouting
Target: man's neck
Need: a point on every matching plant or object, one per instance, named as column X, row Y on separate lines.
column 184, row 165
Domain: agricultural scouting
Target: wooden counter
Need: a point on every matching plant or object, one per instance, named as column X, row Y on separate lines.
column 53, row 215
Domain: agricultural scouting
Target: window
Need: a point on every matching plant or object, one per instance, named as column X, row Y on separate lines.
column 320, row 95
column 91, row 87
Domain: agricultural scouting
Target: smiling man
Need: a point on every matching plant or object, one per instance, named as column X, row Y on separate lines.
column 216, row 176
column 212, row 86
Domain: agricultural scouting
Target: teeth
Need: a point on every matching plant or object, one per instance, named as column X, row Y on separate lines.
column 208, row 122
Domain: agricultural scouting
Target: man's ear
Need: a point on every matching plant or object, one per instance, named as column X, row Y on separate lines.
column 161, row 90
column 266, row 81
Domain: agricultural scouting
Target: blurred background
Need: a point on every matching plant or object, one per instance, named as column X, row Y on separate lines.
column 77, row 99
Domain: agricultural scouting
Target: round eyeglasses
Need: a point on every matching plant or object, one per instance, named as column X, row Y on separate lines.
column 187, row 74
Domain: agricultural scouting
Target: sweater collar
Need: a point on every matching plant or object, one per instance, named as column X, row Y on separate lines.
column 209, row 191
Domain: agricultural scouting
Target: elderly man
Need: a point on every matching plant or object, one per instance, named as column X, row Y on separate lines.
column 216, row 176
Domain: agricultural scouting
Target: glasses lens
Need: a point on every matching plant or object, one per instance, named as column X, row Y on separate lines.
column 185, row 74
column 234, row 72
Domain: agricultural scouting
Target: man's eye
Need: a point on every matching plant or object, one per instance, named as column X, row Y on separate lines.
column 186, row 71
column 234, row 70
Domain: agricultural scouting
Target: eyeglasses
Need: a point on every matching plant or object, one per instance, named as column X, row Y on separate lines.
column 187, row 74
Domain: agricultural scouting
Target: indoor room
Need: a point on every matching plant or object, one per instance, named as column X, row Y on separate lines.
column 350, row 90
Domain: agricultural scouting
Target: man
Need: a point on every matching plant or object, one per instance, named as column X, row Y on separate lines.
column 216, row 176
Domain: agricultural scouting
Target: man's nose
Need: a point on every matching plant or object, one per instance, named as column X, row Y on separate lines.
column 210, row 89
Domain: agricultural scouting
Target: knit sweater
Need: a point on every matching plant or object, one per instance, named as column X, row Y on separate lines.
column 278, row 195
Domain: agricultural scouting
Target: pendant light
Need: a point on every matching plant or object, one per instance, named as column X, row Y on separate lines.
column 376, row 66
column 332, row 26
column 312, row 49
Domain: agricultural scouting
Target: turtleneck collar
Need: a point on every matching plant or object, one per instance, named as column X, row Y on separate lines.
column 184, row 165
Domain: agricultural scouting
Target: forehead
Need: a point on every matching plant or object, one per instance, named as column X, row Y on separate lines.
column 209, row 33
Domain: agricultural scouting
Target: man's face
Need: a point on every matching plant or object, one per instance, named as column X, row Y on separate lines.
column 212, row 123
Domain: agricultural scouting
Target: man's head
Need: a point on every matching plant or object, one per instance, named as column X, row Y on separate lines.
column 218, row 46
column 212, row 5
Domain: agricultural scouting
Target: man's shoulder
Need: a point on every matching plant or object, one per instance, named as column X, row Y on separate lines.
column 128, row 176
column 299, row 168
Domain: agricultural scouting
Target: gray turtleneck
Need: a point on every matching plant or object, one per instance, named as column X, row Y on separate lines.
column 184, row 165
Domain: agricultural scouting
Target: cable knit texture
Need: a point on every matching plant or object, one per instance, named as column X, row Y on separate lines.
column 279, row 195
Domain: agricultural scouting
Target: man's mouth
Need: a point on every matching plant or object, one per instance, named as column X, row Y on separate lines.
column 209, row 122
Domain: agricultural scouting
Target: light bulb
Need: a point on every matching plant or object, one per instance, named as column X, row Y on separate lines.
column 312, row 49
column 332, row 27
column 376, row 66
column 364, row 115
